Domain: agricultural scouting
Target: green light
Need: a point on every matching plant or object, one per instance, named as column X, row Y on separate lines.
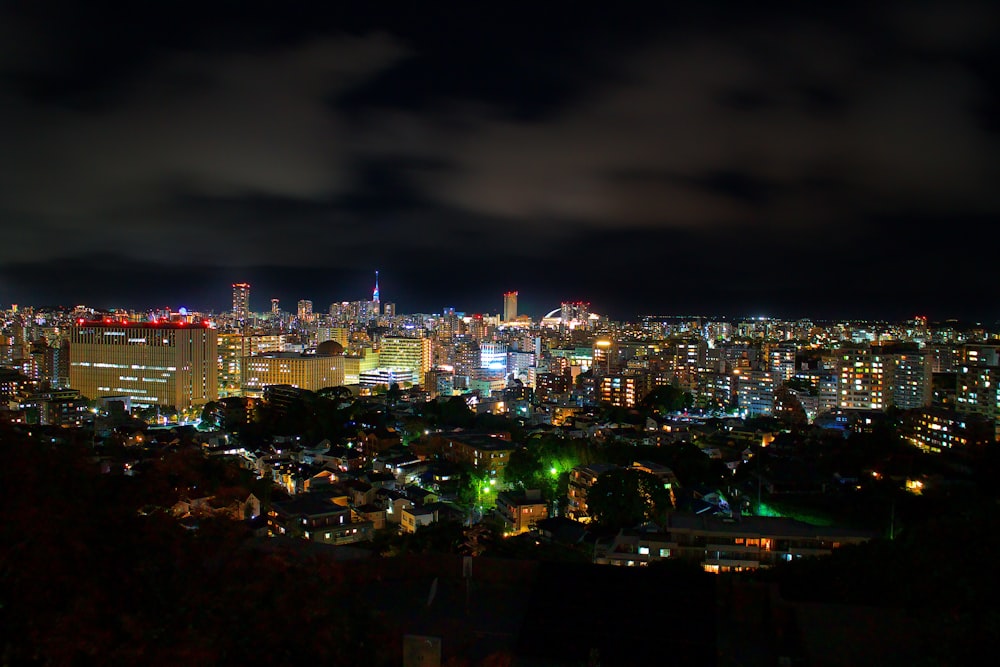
column 553, row 472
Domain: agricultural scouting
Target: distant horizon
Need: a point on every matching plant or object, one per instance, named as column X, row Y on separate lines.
column 321, row 308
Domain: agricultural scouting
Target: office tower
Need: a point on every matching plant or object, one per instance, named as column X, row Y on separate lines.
column 275, row 308
column 241, row 300
column 376, row 302
column 389, row 310
column 509, row 306
column 154, row 364
column 305, row 310
column 412, row 354
column 493, row 357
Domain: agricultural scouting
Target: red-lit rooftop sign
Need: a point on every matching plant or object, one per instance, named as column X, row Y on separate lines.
column 161, row 324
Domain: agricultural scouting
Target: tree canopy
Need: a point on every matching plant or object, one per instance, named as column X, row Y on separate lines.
column 623, row 498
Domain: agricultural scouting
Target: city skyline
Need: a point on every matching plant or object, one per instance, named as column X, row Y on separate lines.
column 825, row 162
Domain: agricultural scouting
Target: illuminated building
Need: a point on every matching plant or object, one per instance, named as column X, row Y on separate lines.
column 509, row 306
column 233, row 347
column 412, row 354
column 311, row 372
column 624, row 391
column 275, row 307
column 64, row 407
column 338, row 334
column 601, row 356
column 911, row 380
column 977, row 391
column 305, row 310
column 938, row 429
column 493, row 357
column 719, row 544
column 519, row 362
column 781, row 360
column 755, row 392
column 376, row 299
column 863, row 383
column 488, row 454
column 241, row 301
column 581, row 479
column 355, row 364
column 316, row 518
column 982, row 355
column 519, row 511
column 262, row 344
column 153, row 363
column 386, row 377
column 477, row 327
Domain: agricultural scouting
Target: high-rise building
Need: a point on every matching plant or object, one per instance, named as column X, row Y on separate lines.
column 623, row 391
column 376, row 301
column 755, row 392
column 305, row 310
column 275, row 307
column 241, row 301
column 509, row 306
column 912, row 380
column 978, row 392
column 152, row 363
column 233, row 347
column 864, row 384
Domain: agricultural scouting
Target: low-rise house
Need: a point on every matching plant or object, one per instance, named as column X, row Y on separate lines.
column 316, row 517
column 393, row 502
column 373, row 513
column 520, row 511
column 414, row 518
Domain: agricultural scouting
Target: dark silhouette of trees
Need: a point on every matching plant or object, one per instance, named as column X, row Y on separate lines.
column 624, row 498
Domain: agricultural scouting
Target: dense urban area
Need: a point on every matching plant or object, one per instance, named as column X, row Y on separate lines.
column 353, row 485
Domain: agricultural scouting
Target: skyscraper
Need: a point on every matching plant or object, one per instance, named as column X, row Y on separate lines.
column 241, row 300
column 509, row 306
column 305, row 310
column 275, row 307
column 376, row 302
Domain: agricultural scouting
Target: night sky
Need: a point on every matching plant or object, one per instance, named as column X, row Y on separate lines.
column 729, row 159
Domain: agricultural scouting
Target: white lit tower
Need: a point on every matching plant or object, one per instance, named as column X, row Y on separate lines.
column 376, row 303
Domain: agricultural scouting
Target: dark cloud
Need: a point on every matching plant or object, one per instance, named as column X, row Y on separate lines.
column 729, row 155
